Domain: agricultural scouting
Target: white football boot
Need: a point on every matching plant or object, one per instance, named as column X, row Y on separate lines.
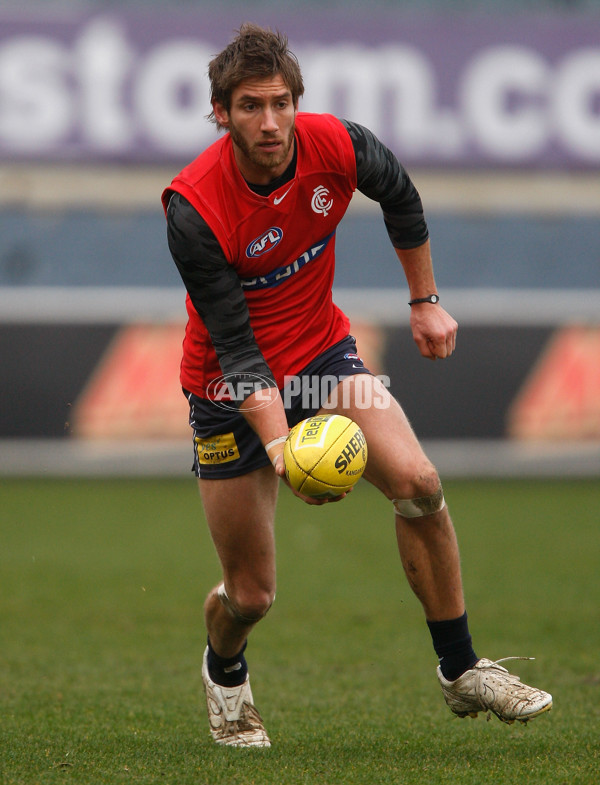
column 232, row 715
column 487, row 686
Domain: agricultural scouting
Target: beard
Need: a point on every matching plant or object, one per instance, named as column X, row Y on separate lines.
column 256, row 155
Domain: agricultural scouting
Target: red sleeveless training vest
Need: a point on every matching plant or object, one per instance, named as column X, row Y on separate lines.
column 282, row 247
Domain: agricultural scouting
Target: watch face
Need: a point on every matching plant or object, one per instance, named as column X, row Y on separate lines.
column 434, row 298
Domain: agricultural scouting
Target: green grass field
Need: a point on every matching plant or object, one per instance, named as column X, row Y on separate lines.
column 101, row 638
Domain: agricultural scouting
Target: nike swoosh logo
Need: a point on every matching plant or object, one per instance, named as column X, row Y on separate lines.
column 278, row 199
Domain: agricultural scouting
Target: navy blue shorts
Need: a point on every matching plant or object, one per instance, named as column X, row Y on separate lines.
column 226, row 446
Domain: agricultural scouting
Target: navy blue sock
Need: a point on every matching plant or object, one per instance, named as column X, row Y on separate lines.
column 227, row 671
column 452, row 644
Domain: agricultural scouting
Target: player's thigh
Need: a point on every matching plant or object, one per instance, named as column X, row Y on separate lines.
column 240, row 512
column 396, row 463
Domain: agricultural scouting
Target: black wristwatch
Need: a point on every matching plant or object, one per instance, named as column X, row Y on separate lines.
column 431, row 298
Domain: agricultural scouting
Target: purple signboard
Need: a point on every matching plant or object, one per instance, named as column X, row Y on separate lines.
column 459, row 90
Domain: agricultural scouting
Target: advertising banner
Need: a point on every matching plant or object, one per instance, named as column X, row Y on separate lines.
column 459, row 90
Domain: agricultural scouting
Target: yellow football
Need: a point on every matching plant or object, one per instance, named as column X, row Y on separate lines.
column 325, row 455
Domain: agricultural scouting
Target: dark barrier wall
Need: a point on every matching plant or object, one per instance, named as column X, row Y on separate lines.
column 45, row 368
column 468, row 395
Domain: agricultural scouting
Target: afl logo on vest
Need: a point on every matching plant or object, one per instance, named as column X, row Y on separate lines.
column 264, row 243
column 321, row 202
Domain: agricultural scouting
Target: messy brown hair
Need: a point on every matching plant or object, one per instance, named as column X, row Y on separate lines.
column 254, row 53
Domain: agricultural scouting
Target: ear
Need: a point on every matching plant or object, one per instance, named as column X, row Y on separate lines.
column 221, row 114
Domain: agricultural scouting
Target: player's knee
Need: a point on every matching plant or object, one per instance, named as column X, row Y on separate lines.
column 422, row 496
column 426, row 481
column 256, row 606
column 247, row 606
column 421, row 479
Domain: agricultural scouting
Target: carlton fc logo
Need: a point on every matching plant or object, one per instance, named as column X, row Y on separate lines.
column 264, row 242
column 322, row 201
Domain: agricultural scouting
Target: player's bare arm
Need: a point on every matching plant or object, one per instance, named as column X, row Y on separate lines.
column 381, row 177
column 265, row 414
column 433, row 329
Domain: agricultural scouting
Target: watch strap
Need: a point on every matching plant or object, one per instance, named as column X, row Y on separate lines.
column 431, row 298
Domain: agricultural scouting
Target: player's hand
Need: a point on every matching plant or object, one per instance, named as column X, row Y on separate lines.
column 434, row 330
column 311, row 500
column 279, row 467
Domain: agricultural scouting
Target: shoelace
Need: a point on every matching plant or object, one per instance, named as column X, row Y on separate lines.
column 504, row 659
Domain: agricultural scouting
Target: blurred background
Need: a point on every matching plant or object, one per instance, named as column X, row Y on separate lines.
column 494, row 108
